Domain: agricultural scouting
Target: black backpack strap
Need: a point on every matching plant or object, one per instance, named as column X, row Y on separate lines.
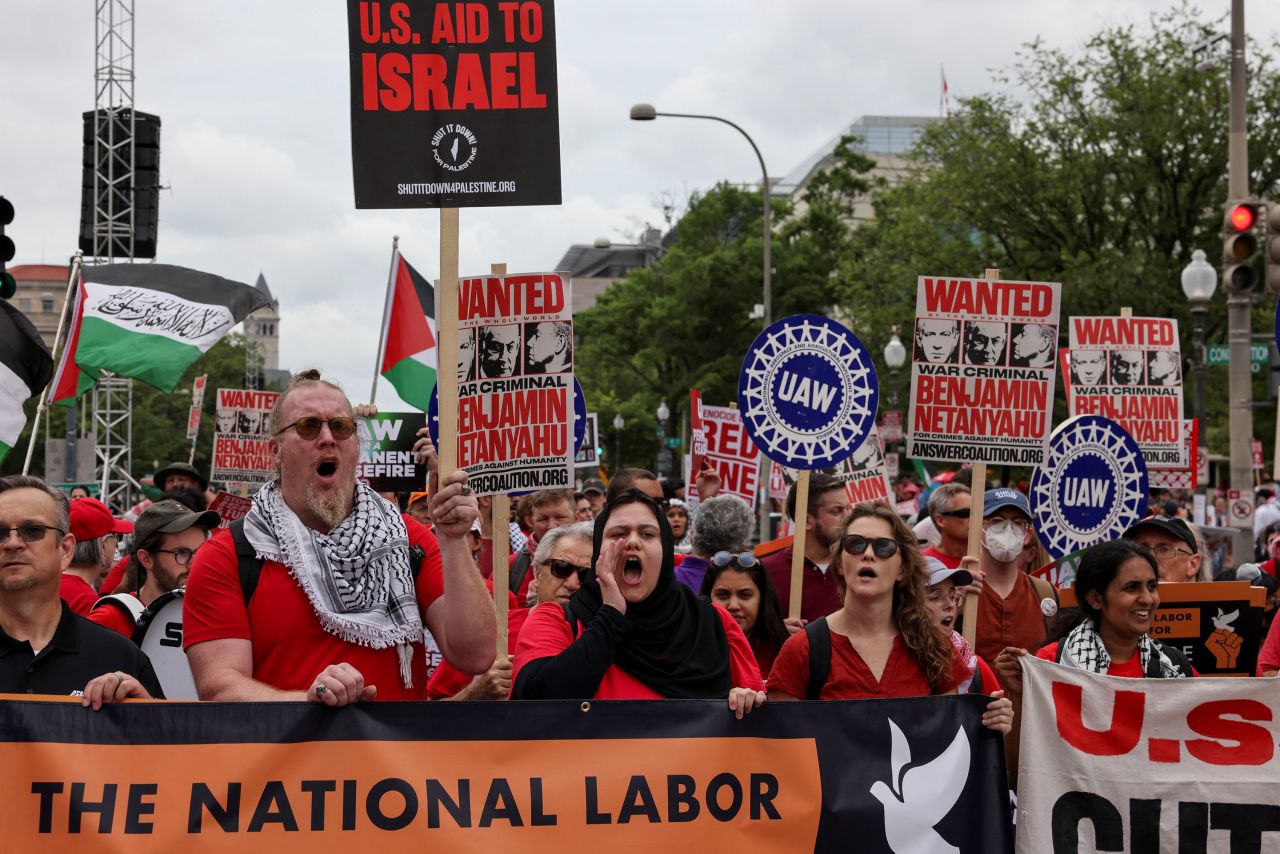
column 976, row 686
column 247, row 561
column 519, row 570
column 416, row 554
column 570, row 618
column 819, row 656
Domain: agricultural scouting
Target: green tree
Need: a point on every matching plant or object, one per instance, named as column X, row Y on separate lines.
column 686, row 321
column 1104, row 176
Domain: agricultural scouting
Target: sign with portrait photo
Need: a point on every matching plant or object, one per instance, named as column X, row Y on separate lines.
column 242, row 434
column 1129, row 369
column 517, row 416
column 983, row 370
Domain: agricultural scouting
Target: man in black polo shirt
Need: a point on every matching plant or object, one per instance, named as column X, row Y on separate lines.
column 44, row 647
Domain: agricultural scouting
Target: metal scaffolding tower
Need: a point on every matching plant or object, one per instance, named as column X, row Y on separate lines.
column 113, row 229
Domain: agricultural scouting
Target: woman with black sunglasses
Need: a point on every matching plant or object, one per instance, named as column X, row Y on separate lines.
column 739, row 584
column 883, row 641
column 632, row 631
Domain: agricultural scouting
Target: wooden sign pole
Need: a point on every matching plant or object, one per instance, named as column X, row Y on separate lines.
column 797, row 545
column 447, row 335
column 501, row 509
column 977, row 496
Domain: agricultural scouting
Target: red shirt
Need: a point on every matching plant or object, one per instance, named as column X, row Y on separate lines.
column 818, row 595
column 849, row 677
column 947, row 560
column 1269, row 655
column 289, row 646
column 113, row 616
column 77, row 593
column 448, row 680
column 1015, row 620
column 547, row 633
column 1131, row 669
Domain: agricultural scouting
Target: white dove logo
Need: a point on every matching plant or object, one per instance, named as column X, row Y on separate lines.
column 921, row 795
column 1224, row 621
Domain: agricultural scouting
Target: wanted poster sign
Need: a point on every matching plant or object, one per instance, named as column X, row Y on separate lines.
column 865, row 474
column 982, row 371
column 197, row 401
column 453, row 104
column 516, row 419
column 387, row 460
column 240, row 452
column 1185, row 478
column 1129, row 369
column 721, row 438
column 230, row 508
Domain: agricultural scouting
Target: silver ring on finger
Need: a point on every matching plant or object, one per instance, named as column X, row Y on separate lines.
column 321, row 689
column 466, row 490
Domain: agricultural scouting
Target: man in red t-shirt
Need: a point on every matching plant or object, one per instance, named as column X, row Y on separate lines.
column 828, row 505
column 548, row 509
column 96, row 532
column 948, row 507
column 166, row 539
column 337, row 614
column 562, row 554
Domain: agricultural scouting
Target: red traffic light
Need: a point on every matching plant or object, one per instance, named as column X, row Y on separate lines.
column 1243, row 217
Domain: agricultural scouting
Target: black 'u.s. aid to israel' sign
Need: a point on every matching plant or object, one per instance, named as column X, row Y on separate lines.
column 1093, row 485
column 807, row 392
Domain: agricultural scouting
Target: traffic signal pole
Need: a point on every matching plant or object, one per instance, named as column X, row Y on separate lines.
column 1239, row 302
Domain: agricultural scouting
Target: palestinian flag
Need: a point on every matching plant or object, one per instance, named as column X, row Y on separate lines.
column 409, row 332
column 147, row 321
column 25, row 369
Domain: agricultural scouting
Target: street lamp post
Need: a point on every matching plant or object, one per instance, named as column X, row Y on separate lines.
column 895, row 356
column 618, row 423
column 664, row 455
column 1199, row 281
column 647, row 113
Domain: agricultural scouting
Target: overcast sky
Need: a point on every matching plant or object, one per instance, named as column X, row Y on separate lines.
column 256, row 153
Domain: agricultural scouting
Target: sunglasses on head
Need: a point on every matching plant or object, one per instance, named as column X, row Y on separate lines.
column 309, row 427
column 562, row 569
column 746, row 560
column 881, row 547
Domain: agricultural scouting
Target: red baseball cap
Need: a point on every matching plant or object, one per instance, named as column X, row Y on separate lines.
column 91, row 519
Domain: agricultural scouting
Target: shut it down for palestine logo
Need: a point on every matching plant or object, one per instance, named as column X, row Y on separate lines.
column 454, row 147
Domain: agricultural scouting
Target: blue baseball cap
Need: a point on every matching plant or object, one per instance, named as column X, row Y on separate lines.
column 997, row 499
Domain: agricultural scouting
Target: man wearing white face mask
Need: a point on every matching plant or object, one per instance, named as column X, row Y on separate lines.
column 1012, row 606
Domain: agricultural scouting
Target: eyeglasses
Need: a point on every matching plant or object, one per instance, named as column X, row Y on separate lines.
column 956, row 514
column 181, row 557
column 938, row 597
column 746, row 560
column 309, row 427
column 998, row 525
column 881, row 547
column 1164, row 551
column 562, row 569
column 29, row 533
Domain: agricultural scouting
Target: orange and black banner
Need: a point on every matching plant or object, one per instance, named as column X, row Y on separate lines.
column 878, row 775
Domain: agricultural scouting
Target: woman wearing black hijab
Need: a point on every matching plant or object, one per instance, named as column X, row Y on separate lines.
column 632, row 631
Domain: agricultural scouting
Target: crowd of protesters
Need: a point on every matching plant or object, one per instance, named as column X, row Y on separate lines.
column 328, row 593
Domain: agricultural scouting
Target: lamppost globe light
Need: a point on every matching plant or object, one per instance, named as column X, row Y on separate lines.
column 664, row 412
column 619, row 422
column 643, row 113
column 1199, row 279
column 895, row 354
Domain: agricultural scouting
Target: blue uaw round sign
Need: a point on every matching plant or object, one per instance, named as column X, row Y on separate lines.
column 807, row 392
column 1092, row 485
column 579, row 417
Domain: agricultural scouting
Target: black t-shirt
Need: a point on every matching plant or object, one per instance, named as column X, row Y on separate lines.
column 78, row 652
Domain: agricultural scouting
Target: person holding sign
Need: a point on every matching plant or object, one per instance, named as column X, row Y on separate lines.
column 343, row 584
column 883, row 642
column 1117, row 585
column 632, row 632
column 828, row 506
column 1012, row 605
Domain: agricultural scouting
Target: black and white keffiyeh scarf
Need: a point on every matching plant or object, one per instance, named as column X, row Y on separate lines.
column 1083, row 649
column 357, row 577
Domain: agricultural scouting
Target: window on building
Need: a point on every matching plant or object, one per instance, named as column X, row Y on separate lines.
column 24, row 304
column 46, row 303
